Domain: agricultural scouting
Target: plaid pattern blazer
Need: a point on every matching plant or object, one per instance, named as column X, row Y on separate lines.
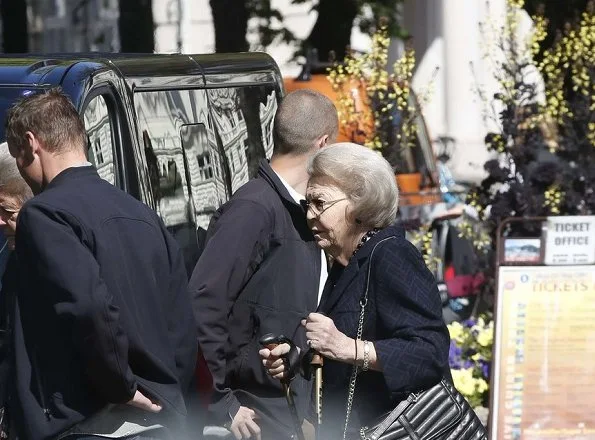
column 403, row 318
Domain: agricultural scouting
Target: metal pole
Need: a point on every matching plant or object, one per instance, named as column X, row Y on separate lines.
column 317, row 363
column 271, row 341
column 293, row 410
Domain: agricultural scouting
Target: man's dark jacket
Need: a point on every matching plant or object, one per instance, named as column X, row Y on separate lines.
column 103, row 307
column 259, row 273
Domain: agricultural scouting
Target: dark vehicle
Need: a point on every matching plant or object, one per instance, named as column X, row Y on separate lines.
column 179, row 132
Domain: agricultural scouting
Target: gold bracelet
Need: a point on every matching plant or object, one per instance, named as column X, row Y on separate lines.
column 366, row 356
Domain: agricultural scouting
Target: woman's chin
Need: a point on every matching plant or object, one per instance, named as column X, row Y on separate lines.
column 321, row 242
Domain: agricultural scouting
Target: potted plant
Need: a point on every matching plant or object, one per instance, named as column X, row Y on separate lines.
column 380, row 110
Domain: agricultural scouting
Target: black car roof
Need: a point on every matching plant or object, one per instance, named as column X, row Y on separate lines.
column 29, row 69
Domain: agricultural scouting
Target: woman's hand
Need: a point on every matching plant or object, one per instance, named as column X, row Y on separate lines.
column 273, row 360
column 323, row 336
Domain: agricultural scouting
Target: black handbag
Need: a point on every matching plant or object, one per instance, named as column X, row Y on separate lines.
column 438, row 413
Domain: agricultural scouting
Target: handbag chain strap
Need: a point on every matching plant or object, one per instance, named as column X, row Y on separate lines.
column 360, row 329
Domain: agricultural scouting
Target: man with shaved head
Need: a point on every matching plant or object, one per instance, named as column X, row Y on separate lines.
column 261, row 272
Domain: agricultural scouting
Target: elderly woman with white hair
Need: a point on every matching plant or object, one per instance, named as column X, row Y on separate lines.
column 398, row 339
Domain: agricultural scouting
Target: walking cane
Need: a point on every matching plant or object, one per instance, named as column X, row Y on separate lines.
column 271, row 341
column 316, row 364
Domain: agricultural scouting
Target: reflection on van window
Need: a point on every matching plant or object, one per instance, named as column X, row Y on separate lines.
column 267, row 112
column 204, row 174
column 186, row 171
column 197, row 154
column 243, row 118
column 101, row 147
column 180, row 156
column 165, row 159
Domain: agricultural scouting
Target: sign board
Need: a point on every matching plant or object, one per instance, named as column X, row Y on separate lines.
column 543, row 382
column 570, row 240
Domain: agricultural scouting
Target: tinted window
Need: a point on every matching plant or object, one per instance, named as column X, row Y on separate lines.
column 243, row 118
column 185, row 168
column 101, row 141
column 204, row 172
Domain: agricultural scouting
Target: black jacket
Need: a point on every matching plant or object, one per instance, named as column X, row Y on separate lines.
column 259, row 273
column 103, row 306
column 403, row 318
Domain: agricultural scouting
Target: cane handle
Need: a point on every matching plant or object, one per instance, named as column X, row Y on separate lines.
column 317, row 360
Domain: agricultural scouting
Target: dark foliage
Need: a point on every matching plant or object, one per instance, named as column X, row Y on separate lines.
column 14, row 26
column 136, row 28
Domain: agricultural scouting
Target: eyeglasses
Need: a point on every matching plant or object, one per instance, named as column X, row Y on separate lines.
column 8, row 213
column 318, row 206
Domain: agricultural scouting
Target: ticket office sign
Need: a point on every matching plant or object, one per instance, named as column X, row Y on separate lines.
column 570, row 240
column 543, row 384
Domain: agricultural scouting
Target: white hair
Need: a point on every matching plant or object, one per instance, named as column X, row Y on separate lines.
column 11, row 182
column 364, row 176
column 8, row 166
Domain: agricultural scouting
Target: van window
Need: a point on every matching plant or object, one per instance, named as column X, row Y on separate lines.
column 186, row 171
column 243, row 118
column 101, row 141
column 204, row 172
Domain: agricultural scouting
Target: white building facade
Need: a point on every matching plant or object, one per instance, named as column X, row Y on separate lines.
column 446, row 37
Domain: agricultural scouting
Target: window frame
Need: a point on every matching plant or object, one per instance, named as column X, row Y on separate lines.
column 119, row 133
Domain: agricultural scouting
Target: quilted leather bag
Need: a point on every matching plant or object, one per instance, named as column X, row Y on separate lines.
column 438, row 413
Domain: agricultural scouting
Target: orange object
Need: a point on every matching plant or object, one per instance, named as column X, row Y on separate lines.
column 409, row 184
column 320, row 83
column 409, row 188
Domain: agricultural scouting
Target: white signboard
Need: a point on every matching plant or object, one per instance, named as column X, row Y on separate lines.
column 543, row 379
column 570, row 240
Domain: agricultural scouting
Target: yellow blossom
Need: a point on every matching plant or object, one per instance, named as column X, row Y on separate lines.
column 456, row 331
column 485, row 338
column 481, row 385
column 464, row 381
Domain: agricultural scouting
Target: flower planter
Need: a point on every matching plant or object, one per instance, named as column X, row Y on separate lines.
column 409, row 189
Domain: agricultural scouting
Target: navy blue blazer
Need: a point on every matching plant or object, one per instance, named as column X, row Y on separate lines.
column 103, row 307
column 403, row 319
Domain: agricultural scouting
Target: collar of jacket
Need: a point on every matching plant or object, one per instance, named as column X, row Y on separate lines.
column 266, row 172
column 353, row 267
column 72, row 173
column 366, row 249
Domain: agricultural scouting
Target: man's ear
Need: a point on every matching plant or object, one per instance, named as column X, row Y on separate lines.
column 31, row 147
column 322, row 141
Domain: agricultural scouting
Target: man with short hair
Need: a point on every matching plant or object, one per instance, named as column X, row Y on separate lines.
column 104, row 338
column 262, row 272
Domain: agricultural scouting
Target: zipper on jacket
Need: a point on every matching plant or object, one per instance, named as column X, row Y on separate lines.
column 44, row 407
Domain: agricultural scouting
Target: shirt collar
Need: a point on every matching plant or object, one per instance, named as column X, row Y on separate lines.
column 292, row 192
